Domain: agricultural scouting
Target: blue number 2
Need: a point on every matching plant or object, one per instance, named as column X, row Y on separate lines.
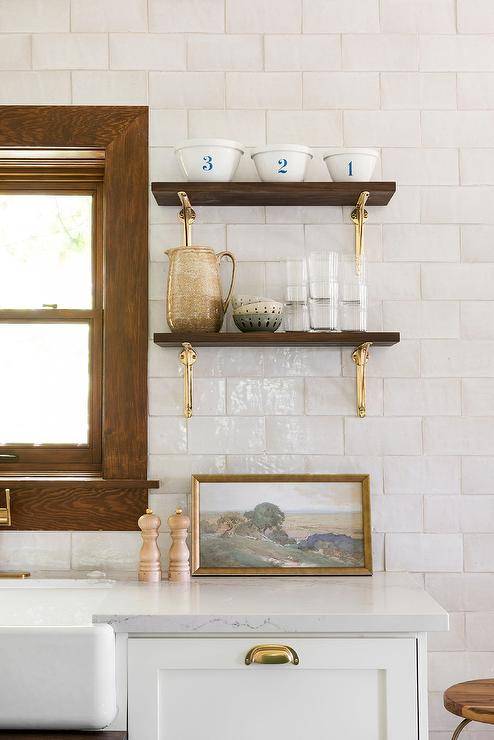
column 209, row 163
column 283, row 163
column 350, row 169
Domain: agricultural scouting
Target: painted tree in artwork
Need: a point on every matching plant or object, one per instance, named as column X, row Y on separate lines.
column 265, row 516
column 228, row 521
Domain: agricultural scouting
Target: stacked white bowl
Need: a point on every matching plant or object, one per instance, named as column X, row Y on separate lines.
column 255, row 313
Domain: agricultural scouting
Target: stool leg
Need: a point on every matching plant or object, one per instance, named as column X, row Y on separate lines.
column 461, row 726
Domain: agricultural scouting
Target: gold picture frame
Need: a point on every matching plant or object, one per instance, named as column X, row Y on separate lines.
column 216, row 529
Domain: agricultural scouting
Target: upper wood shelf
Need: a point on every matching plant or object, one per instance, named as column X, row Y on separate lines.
column 279, row 339
column 273, row 193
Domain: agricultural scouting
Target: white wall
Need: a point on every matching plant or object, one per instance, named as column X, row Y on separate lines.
column 413, row 77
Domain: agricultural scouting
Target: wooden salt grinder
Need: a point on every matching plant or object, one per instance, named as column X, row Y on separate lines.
column 179, row 569
column 150, row 559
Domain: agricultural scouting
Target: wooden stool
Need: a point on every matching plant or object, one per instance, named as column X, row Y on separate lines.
column 473, row 700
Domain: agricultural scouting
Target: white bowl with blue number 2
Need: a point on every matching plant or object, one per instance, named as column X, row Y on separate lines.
column 209, row 159
column 351, row 164
column 282, row 162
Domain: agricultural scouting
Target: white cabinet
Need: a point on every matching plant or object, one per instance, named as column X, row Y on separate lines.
column 356, row 688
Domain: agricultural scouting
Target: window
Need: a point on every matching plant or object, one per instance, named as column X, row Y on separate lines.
column 73, row 315
column 51, row 326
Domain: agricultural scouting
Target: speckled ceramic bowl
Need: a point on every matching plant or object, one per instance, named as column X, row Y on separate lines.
column 260, row 316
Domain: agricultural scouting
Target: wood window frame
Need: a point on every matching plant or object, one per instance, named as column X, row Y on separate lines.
column 113, row 493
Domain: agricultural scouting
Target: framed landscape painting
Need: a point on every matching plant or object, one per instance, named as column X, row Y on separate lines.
column 281, row 525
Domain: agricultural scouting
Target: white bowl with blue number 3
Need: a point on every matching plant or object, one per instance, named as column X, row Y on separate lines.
column 209, row 159
column 282, row 162
column 351, row 164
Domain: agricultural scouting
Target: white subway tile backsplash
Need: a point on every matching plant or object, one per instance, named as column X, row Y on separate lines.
column 304, row 435
column 341, row 238
column 380, row 52
column 457, row 358
column 423, row 475
column 286, row 53
column 35, row 550
column 453, row 639
column 246, row 126
column 424, row 552
column 460, row 128
column 475, row 16
column 421, row 397
column 418, row 16
column 442, row 513
column 301, row 362
column 333, row 16
column 464, row 282
column 476, row 90
column 147, row 51
column 313, row 128
column 394, row 281
column 105, row 550
column 423, row 319
column 398, row 361
column 397, row 513
column 186, row 89
column 34, row 16
column 336, row 397
column 381, row 128
column 477, row 475
column 188, row 16
column 386, row 436
column 476, row 243
column 421, row 243
column 167, row 438
column 226, row 435
column 109, row 88
column 478, row 396
column 341, row 90
column 479, row 630
column 477, row 514
column 174, row 471
column 476, row 166
column 421, row 166
column 275, row 90
column 70, row 51
column 167, row 127
column 257, row 16
column 265, row 396
column 166, row 397
column 15, row 51
column 418, row 91
column 445, row 435
column 479, row 552
column 450, row 53
column 108, row 15
column 265, row 464
column 35, row 88
column 457, row 205
column 220, row 52
column 257, row 242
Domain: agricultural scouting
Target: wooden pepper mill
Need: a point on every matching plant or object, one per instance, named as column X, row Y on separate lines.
column 150, row 559
column 179, row 569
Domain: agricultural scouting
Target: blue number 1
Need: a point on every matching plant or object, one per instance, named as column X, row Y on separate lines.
column 209, row 163
column 350, row 169
column 283, row 163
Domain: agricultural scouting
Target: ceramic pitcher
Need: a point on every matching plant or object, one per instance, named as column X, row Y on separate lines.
column 194, row 299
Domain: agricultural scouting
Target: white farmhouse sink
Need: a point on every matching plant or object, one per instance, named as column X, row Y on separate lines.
column 57, row 677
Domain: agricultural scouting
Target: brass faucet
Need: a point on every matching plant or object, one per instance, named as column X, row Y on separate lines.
column 6, row 521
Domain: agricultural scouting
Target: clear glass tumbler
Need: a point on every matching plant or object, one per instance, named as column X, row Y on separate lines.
column 323, row 291
column 296, row 316
column 353, row 295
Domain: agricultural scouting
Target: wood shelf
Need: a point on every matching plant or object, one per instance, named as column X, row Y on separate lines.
column 82, row 482
column 279, row 339
column 273, row 193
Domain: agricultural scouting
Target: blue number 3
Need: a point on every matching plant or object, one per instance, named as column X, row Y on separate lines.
column 283, row 163
column 209, row 163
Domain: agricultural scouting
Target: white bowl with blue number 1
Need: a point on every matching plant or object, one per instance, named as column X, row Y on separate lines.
column 209, row 159
column 282, row 162
column 351, row 164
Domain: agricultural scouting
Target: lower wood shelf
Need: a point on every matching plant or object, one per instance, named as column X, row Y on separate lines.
column 62, row 735
column 279, row 339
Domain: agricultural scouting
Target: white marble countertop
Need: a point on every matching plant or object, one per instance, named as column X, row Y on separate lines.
column 385, row 602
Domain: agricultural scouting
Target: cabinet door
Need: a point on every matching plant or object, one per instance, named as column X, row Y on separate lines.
column 352, row 688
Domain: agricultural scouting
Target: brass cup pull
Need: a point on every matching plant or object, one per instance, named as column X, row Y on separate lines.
column 5, row 514
column 271, row 655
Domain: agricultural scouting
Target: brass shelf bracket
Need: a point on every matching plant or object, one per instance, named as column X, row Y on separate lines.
column 187, row 216
column 5, row 514
column 360, row 357
column 187, row 357
column 359, row 216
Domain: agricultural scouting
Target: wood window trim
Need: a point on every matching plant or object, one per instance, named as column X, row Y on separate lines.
column 117, row 494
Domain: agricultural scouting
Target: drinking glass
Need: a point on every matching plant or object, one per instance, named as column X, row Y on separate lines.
column 323, row 291
column 353, row 295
